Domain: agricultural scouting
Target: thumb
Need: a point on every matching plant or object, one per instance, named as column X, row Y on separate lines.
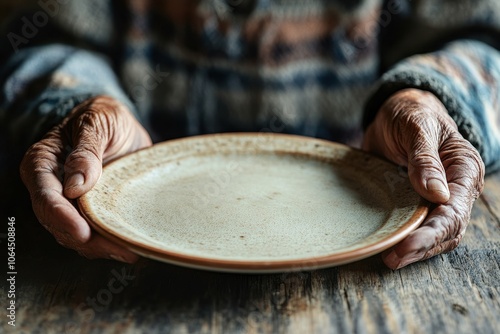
column 426, row 171
column 83, row 165
column 100, row 130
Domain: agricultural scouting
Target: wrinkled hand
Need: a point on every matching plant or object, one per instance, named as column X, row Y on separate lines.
column 413, row 129
column 67, row 163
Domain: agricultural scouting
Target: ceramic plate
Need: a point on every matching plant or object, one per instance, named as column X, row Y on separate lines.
column 253, row 203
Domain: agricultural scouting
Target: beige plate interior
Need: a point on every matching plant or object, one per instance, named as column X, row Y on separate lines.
column 253, row 203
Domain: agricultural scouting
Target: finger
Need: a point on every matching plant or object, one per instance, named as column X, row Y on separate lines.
column 393, row 261
column 425, row 169
column 100, row 133
column 60, row 218
column 83, row 166
column 441, row 232
column 72, row 231
column 445, row 226
column 130, row 140
column 100, row 248
column 39, row 172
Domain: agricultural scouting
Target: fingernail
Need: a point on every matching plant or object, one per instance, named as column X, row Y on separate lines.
column 75, row 180
column 392, row 260
column 435, row 185
column 396, row 262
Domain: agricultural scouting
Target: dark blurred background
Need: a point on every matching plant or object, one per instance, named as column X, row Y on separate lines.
column 7, row 7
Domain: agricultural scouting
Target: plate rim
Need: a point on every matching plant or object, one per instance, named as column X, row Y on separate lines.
column 253, row 266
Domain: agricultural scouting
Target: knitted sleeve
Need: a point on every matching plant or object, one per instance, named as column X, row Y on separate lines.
column 47, row 69
column 453, row 55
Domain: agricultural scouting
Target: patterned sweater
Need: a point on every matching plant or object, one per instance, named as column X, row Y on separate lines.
column 314, row 67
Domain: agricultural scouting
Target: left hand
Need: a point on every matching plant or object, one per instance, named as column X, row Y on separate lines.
column 413, row 129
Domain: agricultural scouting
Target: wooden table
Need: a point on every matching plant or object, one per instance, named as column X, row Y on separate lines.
column 59, row 292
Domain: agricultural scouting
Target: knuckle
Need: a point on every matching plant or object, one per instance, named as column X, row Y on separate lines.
column 432, row 252
column 88, row 127
column 450, row 223
column 410, row 124
column 65, row 239
column 419, row 134
column 99, row 112
column 464, row 164
column 42, row 200
column 42, row 157
column 90, row 118
column 33, row 154
column 43, row 196
column 92, row 131
column 444, row 247
column 82, row 155
column 424, row 159
column 451, row 245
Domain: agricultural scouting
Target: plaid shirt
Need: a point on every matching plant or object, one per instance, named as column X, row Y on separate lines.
column 317, row 68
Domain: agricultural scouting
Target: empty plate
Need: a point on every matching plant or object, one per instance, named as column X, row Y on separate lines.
column 253, row 203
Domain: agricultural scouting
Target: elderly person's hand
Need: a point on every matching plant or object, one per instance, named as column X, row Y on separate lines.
column 413, row 129
column 67, row 163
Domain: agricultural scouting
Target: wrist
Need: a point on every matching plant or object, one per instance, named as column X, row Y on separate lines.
column 413, row 99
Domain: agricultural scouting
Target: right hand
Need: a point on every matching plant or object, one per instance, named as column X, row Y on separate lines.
column 67, row 163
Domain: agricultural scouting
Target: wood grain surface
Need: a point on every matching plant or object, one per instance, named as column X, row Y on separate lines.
column 59, row 292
